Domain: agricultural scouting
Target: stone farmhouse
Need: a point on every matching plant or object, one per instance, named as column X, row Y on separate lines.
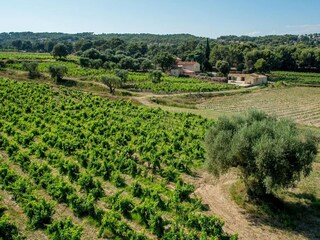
column 247, row 79
column 185, row 68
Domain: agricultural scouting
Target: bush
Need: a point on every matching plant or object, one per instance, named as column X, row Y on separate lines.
column 32, row 68
column 84, row 62
column 57, row 72
column 156, row 76
column 39, row 212
column 2, row 64
column 270, row 153
column 8, row 231
column 64, row 229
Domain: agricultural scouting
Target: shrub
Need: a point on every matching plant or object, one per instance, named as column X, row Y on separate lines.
column 2, row 64
column 64, row 229
column 32, row 68
column 57, row 72
column 8, row 230
column 84, row 62
column 39, row 212
column 156, row 76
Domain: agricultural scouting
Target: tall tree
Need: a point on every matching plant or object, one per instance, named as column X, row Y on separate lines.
column 206, row 64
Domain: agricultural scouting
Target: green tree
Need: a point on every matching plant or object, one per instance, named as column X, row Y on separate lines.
column 146, row 65
column 60, row 50
column 32, row 68
column 269, row 153
column 96, row 63
column 84, row 62
column 317, row 57
column 122, row 74
column 57, row 72
column 165, row 60
column 128, row 63
column 111, row 81
column 206, row 64
column 223, row 67
column 17, row 44
column 261, row 66
column 91, row 53
column 155, row 76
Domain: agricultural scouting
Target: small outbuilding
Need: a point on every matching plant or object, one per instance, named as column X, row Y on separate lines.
column 247, row 79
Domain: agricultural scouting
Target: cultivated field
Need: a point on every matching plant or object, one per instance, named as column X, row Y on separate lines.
column 137, row 81
column 296, row 77
column 104, row 164
column 302, row 104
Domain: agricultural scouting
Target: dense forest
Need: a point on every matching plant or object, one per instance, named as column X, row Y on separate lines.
column 145, row 51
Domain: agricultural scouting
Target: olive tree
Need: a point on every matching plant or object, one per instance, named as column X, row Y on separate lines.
column 269, row 153
column 32, row 68
column 111, row 81
column 122, row 74
column 60, row 50
column 57, row 72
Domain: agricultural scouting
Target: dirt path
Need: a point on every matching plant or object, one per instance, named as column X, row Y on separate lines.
column 215, row 193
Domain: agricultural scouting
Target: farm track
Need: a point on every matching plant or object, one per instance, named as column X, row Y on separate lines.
column 215, row 193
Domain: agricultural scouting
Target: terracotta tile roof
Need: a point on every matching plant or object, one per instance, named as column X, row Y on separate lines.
column 187, row 71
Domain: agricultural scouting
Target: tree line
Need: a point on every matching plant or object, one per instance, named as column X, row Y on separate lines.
column 142, row 52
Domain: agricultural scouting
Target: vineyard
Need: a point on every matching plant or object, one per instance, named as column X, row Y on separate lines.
column 137, row 81
column 296, row 77
column 83, row 167
column 25, row 56
column 299, row 103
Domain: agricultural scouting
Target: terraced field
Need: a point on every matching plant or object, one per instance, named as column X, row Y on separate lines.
column 302, row 104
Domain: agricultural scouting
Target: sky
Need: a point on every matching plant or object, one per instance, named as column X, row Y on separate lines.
column 206, row 18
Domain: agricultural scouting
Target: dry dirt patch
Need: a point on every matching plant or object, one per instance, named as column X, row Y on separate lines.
column 215, row 193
